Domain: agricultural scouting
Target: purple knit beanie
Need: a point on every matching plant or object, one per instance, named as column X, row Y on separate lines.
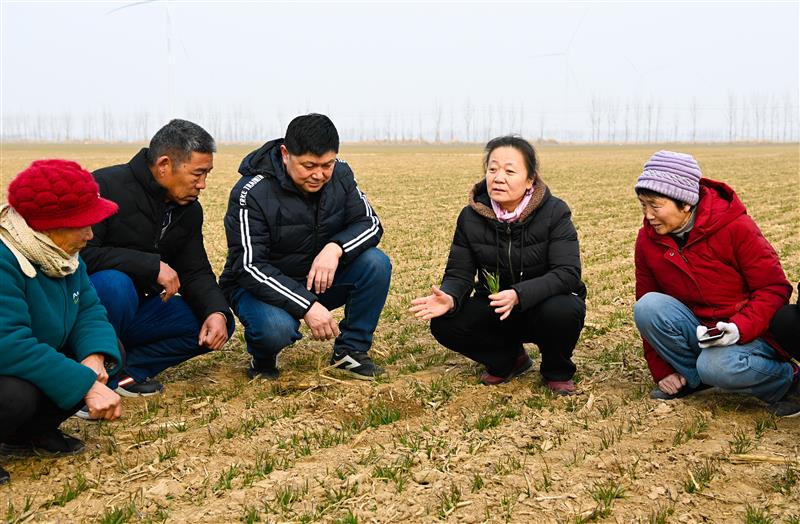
column 675, row 175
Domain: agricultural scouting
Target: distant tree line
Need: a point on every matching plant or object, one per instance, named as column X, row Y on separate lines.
column 604, row 119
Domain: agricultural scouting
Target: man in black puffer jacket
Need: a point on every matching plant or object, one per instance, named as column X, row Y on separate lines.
column 140, row 258
column 301, row 241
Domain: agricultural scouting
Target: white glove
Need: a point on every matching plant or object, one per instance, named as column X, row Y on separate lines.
column 730, row 335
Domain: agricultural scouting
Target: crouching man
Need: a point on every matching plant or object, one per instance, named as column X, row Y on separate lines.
column 302, row 241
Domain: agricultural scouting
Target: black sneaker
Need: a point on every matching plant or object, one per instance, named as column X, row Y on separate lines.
column 785, row 408
column 356, row 364
column 264, row 368
column 83, row 413
column 52, row 442
column 128, row 387
column 657, row 394
column 4, row 476
column 789, row 405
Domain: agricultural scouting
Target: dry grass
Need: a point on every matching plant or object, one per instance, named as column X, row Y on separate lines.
column 429, row 443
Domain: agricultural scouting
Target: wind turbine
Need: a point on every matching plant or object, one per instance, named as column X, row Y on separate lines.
column 565, row 54
column 170, row 57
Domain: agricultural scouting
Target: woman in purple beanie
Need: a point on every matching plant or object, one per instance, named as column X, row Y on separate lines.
column 707, row 286
column 57, row 348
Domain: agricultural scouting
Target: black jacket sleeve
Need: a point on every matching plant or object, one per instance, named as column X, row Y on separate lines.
column 459, row 275
column 363, row 228
column 198, row 284
column 248, row 237
column 563, row 260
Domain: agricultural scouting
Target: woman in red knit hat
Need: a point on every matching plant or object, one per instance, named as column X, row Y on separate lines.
column 56, row 345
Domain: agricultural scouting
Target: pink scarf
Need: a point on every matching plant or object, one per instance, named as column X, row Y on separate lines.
column 511, row 216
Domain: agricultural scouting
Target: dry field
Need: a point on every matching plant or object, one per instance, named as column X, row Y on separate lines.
column 429, row 442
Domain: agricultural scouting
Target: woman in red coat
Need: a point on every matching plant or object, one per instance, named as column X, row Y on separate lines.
column 707, row 285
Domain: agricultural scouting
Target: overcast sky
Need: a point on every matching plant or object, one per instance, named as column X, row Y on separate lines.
column 380, row 60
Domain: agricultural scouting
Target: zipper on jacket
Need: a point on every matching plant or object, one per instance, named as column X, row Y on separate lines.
column 316, row 225
column 510, row 265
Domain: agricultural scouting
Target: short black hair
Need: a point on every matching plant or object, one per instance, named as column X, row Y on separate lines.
column 518, row 143
column 312, row 133
column 178, row 140
column 649, row 193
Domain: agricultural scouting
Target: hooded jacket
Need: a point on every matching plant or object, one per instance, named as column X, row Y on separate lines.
column 132, row 241
column 275, row 231
column 727, row 271
column 538, row 256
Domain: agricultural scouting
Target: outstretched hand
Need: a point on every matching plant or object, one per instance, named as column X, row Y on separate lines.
column 503, row 302
column 432, row 306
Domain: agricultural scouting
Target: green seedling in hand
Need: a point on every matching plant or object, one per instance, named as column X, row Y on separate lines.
column 492, row 282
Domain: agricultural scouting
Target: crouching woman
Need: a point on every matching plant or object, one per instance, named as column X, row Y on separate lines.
column 707, row 285
column 519, row 241
column 56, row 345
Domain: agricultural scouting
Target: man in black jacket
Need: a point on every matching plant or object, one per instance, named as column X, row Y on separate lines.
column 142, row 257
column 301, row 241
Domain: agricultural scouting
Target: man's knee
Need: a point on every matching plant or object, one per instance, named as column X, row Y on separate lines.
column 375, row 262
column 270, row 333
column 114, row 288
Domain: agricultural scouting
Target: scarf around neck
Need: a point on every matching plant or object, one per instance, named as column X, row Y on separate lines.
column 511, row 216
column 33, row 247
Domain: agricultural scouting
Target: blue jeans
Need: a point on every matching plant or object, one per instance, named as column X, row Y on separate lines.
column 752, row 368
column 361, row 286
column 156, row 335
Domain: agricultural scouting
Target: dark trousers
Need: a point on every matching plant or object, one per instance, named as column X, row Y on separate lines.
column 786, row 328
column 26, row 412
column 157, row 335
column 476, row 332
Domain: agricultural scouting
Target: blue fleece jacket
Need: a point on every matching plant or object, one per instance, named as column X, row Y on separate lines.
column 47, row 326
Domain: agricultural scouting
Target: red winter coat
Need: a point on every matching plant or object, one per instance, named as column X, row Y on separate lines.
column 727, row 271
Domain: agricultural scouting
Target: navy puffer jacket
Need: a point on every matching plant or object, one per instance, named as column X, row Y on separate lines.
column 275, row 231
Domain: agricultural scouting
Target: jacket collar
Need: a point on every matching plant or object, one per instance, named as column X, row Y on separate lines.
column 141, row 171
column 479, row 200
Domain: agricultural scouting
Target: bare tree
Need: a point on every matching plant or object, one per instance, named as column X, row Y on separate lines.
column 649, row 116
column 731, row 116
column 437, row 121
column 542, row 121
column 693, row 110
column 626, row 119
column 594, row 118
column 489, row 115
column 467, row 120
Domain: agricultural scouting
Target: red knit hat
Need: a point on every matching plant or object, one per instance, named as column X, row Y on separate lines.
column 52, row 194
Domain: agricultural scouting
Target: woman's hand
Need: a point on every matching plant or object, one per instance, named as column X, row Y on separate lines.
column 671, row 384
column 103, row 403
column 432, row 306
column 503, row 302
column 97, row 363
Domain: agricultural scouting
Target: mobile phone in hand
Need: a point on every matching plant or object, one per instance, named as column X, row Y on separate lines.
column 711, row 334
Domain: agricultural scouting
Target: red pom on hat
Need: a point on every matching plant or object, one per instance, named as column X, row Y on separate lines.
column 52, row 194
